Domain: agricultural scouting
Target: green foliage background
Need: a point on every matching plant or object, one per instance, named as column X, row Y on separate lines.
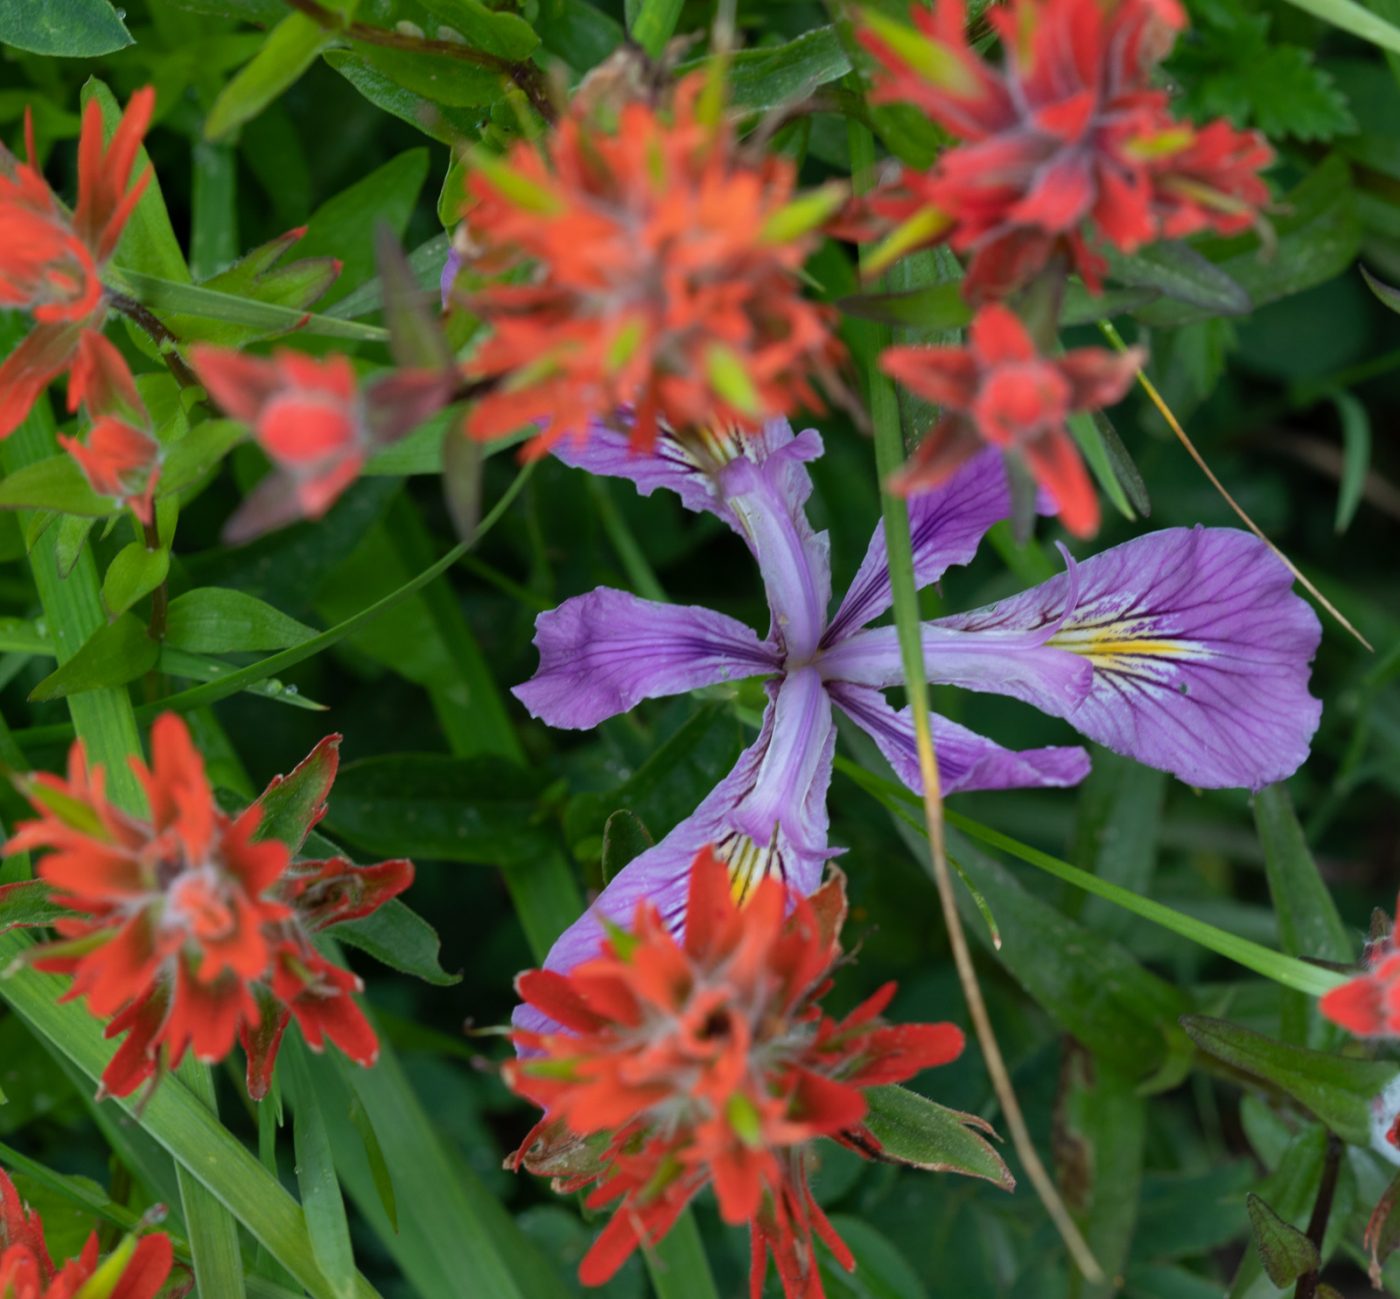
column 1292, row 401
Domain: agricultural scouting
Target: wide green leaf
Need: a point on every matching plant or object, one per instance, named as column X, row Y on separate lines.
column 218, row 620
column 54, row 483
column 913, row 1130
column 1177, row 271
column 133, row 573
column 112, row 656
column 70, row 29
column 397, row 936
column 1285, row 1251
column 1338, row 1090
column 433, row 806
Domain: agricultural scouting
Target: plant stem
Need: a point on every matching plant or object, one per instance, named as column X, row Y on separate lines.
column 889, row 456
column 159, row 334
column 1322, row 1212
column 524, row 75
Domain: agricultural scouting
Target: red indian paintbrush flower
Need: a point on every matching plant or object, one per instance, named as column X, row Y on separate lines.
column 314, row 423
column 664, row 283
column 708, row 1060
column 1000, row 390
column 136, row 1269
column 51, row 261
column 188, row 929
column 1369, row 1005
column 1068, row 140
column 120, row 458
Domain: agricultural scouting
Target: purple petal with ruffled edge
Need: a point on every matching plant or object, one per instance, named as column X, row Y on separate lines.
column 1199, row 650
column 966, row 760
column 946, row 526
column 661, row 875
column 604, row 652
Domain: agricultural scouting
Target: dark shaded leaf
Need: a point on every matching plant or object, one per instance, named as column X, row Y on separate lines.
column 397, row 936
column 1286, row 1252
column 1180, row 273
column 624, row 837
column 447, row 809
column 1337, row 1090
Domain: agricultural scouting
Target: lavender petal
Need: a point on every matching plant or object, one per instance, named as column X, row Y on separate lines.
column 604, row 652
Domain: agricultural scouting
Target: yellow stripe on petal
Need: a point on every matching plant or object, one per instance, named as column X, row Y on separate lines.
column 1109, row 645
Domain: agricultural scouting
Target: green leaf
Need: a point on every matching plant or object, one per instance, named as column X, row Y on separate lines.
column 291, row 47
column 179, row 1122
column 378, row 1165
column 1286, row 1252
column 678, row 1266
column 1308, row 922
column 54, row 483
column 1088, row 437
column 760, row 79
column 624, row 838
column 655, row 24
column 1180, row 273
column 1100, row 1126
column 881, row 1271
column 1356, row 456
column 1337, row 1090
column 919, row 1133
column 70, row 29
column 345, row 226
column 291, row 806
column 435, row 78
column 1384, row 293
column 213, row 1233
column 28, row 902
column 216, row 620
column 112, row 656
column 397, row 936
column 1352, row 17
column 448, row 125
column 197, row 453
column 1318, row 236
column 326, row 1221
column 669, row 784
column 192, row 300
column 133, row 573
column 499, row 32
column 448, row 809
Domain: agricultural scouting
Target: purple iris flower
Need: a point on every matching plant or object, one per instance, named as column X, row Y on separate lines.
column 1185, row 649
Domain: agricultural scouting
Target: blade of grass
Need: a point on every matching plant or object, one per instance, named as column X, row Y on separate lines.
column 218, row 1263
column 889, row 456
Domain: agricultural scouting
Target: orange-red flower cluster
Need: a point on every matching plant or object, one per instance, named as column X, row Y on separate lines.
column 1000, row 390
column 1369, row 1005
column 313, row 422
column 186, row 927
column 136, row 1270
column 121, row 457
column 708, row 1060
column 661, row 280
column 1068, row 141
column 51, row 262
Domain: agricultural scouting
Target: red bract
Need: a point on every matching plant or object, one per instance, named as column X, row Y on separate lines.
column 120, row 457
column 709, row 1060
column 1369, row 1006
column 1000, row 390
column 313, row 422
column 187, row 929
column 664, row 265
column 51, row 262
column 137, row 1269
column 1067, row 141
